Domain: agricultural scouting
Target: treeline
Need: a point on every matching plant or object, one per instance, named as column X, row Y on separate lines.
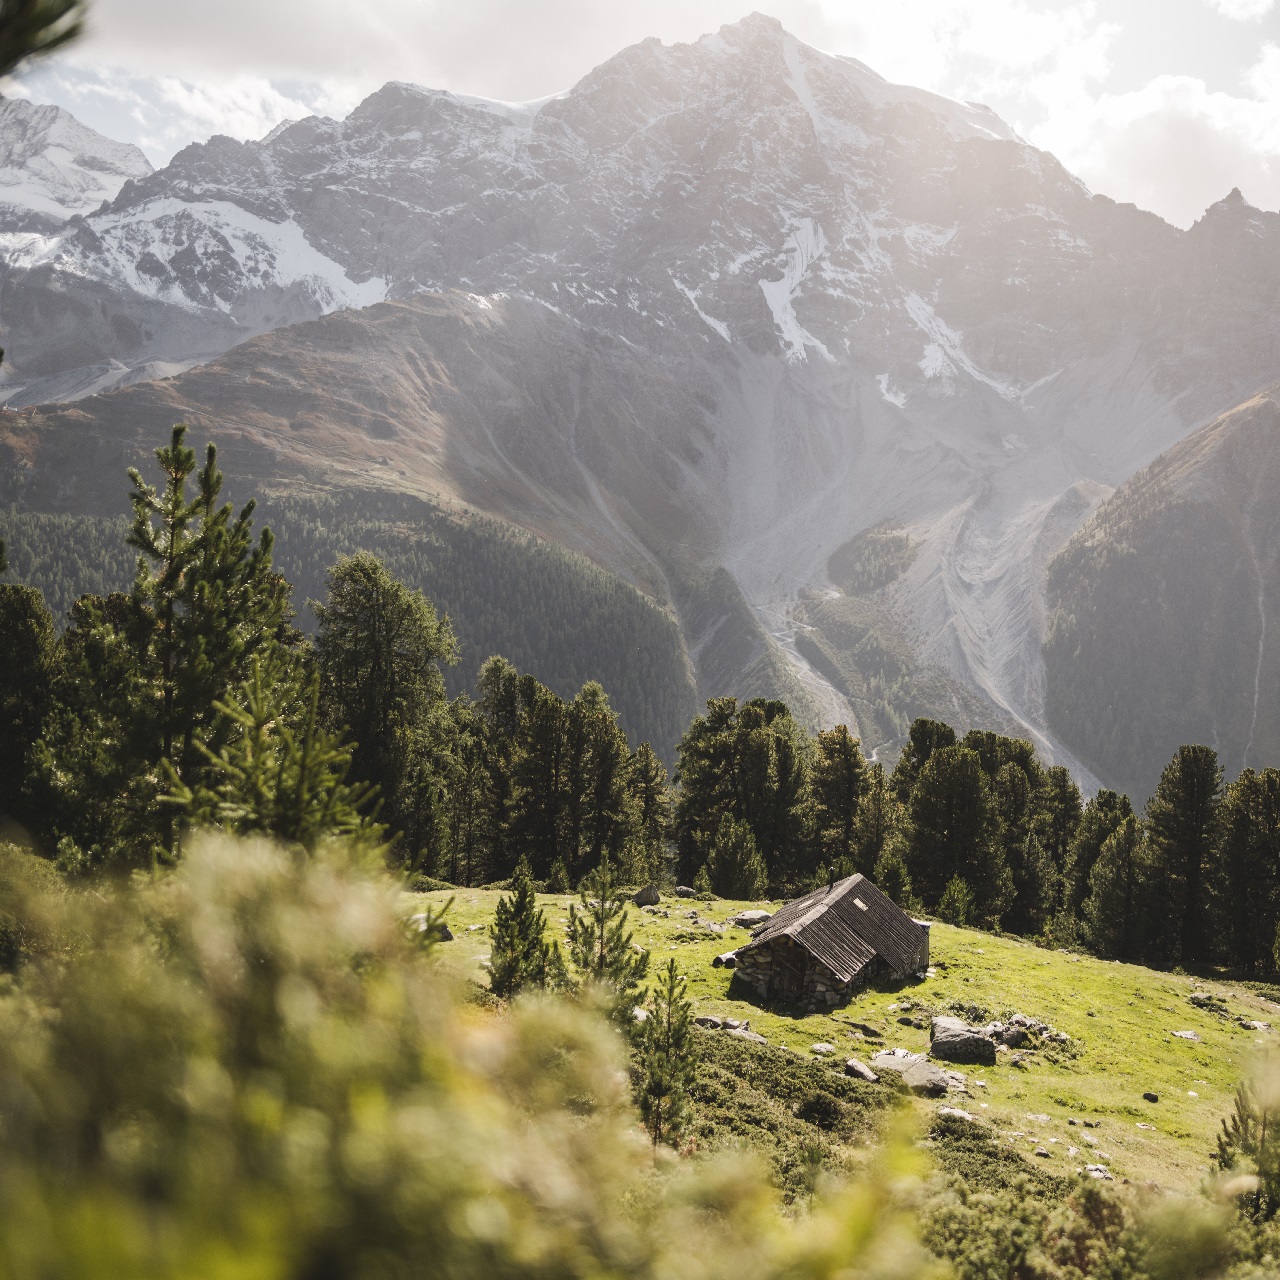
column 543, row 607
column 193, row 699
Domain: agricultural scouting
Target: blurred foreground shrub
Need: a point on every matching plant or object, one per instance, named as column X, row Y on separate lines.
column 249, row 1068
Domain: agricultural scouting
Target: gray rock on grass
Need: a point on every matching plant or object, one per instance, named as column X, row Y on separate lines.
column 954, row 1040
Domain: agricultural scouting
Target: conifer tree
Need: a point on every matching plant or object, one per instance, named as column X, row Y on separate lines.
column 880, row 817
column 923, row 739
column 649, row 786
column 32, row 28
column 1114, row 910
column 838, row 781
column 891, row 877
column 956, row 905
column 600, row 944
column 521, row 956
column 1247, row 874
column 665, row 1052
column 281, row 774
column 1182, row 827
column 735, row 868
column 954, row 833
column 28, row 645
column 1103, row 815
column 1058, row 811
column 379, row 650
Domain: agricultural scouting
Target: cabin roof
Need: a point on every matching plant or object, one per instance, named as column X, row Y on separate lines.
column 846, row 925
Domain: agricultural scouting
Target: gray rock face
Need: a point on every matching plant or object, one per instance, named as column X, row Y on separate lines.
column 863, row 305
column 856, row 1067
column 647, row 897
column 953, row 1040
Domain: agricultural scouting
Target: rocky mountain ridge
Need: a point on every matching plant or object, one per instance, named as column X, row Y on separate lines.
column 862, row 305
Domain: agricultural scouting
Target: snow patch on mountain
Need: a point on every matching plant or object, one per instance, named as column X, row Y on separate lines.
column 944, row 355
column 805, row 245
column 51, row 164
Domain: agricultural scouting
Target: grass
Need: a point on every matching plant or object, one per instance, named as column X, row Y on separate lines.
column 1120, row 1019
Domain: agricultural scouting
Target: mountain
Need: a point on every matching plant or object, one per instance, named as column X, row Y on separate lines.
column 728, row 317
column 52, row 168
column 1160, row 608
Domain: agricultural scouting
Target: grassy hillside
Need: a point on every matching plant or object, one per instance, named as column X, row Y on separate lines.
column 1120, row 1019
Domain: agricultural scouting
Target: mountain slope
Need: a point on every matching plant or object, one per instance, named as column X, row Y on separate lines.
column 719, row 308
column 1163, row 628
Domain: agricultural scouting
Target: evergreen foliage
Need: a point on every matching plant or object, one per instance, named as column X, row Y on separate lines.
column 1114, row 912
column 735, row 868
column 521, row 957
column 664, row 1045
column 1182, row 822
column 601, row 948
column 281, row 774
column 34, row 28
column 838, row 782
column 957, row 904
column 27, row 643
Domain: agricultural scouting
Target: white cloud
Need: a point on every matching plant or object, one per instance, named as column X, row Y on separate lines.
column 1243, row 10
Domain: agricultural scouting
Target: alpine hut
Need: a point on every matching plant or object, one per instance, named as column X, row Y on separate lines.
column 818, row 950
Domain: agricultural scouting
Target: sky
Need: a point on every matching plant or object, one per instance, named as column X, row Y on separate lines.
column 1166, row 103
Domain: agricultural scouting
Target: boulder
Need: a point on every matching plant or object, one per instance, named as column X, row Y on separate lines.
column 732, row 1024
column 1099, row 1171
column 822, row 1048
column 683, row 891
column 895, row 1060
column 743, row 1034
column 1151, row 1097
column 648, row 896
column 708, row 1020
column 751, row 919
column 726, row 960
column 952, row 1040
column 1187, row 1035
column 924, row 1078
column 958, row 1113
column 855, row 1067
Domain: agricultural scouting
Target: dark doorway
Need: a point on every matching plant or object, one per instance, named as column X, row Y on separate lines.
column 787, row 982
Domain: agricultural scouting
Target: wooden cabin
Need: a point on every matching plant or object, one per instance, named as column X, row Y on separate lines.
column 818, row 950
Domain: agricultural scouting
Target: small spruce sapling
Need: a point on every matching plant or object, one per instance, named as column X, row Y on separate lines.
column 665, row 1050
column 600, row 944
column 956, row 904
column 522, row 956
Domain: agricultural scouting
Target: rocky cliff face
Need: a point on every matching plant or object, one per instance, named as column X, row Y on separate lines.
column 790, row 303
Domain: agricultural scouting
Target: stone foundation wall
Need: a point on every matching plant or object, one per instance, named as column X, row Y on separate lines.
column 821, row 989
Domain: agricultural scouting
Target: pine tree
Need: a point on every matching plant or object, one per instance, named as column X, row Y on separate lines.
column 923, row 739
column 838, row 781
column 521, row 956
column 649, row 786
column 665, row 1052
column 735, row 868
column 880, row 817
column 379, row 650
column 1113, row 911
column 28, row 645
column 891, row 877
column 281, row 774
column 1247, row 874
column 1058, row 812
column 1035, row 887
column 600, row 944
column 954, row 833
column 33, row 28
column 956, row 905
column 1253, row 1131
column 1102, row 816
column 1182, row 826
